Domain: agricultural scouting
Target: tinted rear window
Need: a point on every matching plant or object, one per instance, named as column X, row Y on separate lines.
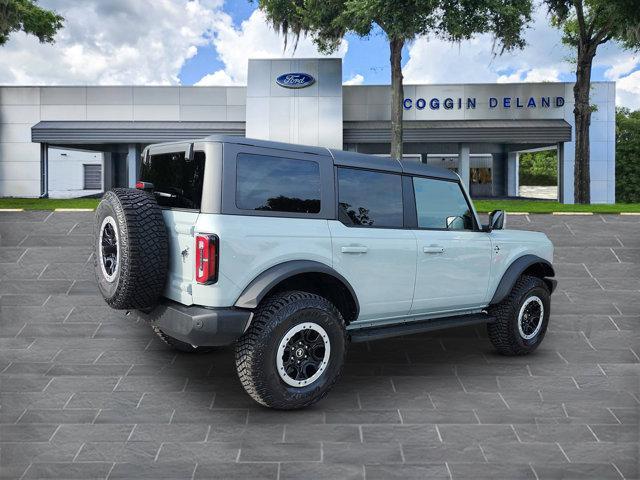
column 177, row 181
column 277, row 184
column 370, row 199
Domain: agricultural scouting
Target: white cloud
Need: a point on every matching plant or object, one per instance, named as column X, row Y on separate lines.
column 114, row 42
column 531, row 75
column 357, row 79
column 544, row 59
column 622, row 65
column 628, row 91
column 253, row 39
column 432, row 60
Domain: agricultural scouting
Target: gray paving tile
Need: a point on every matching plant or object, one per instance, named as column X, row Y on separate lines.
column 21, row 453
column 477, row 433
column 327, row 433
column 309, row 451
column 576, row 471
column 616, row 433
column 135, row 415
column 399, row 433
column 92, row 433
column 169, row 433
column 601, row 452
column 133, row 452
column 58, row 416
column 489, row 471
column 354, row 453
column 408, row 472
column 90, row 470
column 436, row 451
column 198, row 452
column 28, row 433
column 522, row 452
column 159, row 470
column 363, row 417
column 252, row 471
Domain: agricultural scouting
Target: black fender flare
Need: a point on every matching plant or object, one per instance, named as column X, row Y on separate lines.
column 517, row 268
column 261, row 285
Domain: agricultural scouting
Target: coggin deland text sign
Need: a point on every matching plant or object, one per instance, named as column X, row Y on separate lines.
column 469, row 103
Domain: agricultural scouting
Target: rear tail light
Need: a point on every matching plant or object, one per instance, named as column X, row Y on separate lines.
column 206, row 259
column 144, row 185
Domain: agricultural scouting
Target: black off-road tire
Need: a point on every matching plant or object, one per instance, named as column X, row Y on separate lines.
column 143, row 249
column 504, row 332
column 257, row 349
column 179, row 345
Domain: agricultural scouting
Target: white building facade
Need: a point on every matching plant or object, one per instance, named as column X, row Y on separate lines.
column 476, row 129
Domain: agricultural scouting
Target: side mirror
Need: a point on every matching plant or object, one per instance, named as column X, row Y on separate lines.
column 497, row 221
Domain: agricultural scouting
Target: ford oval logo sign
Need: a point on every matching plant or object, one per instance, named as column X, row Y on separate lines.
column 295, row 80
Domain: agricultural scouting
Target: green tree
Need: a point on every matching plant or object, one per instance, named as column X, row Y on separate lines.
column 587, row 24
column 328, row 21
column 539, row 168
column 28, row 17
column 627, row 156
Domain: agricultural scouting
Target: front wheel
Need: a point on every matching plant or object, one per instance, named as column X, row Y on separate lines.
column 293, row 351
column 521, row 318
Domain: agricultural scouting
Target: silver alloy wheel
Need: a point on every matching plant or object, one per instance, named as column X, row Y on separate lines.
column 530, row 317
column 109, row 249
column 303, row 354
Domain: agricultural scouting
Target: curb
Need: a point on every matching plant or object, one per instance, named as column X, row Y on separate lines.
column 630, row 213
column 11, row 209
column 73, row 210
column 571, row 213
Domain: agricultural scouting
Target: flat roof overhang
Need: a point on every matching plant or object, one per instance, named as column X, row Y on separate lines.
column 453, row 131
column 78, row 133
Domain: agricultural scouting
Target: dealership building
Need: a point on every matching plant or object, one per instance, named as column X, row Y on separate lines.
column 82, row 140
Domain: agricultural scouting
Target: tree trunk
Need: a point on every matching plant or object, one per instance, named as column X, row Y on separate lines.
column 582, row 114
column 397, row 97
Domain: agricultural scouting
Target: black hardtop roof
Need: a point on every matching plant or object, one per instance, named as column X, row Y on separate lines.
column 344, row 158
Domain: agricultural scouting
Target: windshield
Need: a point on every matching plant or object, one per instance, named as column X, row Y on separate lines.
column 176, row 181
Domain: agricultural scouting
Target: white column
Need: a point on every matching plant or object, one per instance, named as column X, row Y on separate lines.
column 513, row 162
column 463, row 163
column 132, row 170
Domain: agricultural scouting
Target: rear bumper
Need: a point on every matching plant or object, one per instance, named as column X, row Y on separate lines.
column 199, row 326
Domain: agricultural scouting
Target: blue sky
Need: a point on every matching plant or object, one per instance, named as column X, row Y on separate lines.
column 365, row 56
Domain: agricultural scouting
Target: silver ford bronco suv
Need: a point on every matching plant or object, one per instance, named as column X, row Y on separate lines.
column 290, row 252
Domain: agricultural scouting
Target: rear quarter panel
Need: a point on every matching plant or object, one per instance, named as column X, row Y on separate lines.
column 249, row 245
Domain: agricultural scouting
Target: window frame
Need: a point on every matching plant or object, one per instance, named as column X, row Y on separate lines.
column 406, row 225
column 189, row 150
column 229, row 181
column 413, row 201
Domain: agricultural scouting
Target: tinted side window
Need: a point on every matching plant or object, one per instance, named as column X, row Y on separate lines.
column 370, row 199
column 177, row 181
column 277, row 184
column 441, row 204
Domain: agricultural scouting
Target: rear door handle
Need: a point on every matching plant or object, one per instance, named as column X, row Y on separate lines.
column 433, row 249
column 354, row 249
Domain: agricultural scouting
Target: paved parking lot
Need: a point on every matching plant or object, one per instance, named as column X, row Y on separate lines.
column 86, row 392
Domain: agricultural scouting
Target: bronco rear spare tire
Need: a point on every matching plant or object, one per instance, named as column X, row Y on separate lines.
column 130, row 249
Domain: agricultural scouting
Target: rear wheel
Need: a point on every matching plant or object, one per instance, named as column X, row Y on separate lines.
column 521, row 318
column 293, row 351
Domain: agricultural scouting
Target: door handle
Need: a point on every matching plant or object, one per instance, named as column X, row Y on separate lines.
column 433, row 249
column 354, row 249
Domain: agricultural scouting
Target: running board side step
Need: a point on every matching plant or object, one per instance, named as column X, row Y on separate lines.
column 418, row 326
